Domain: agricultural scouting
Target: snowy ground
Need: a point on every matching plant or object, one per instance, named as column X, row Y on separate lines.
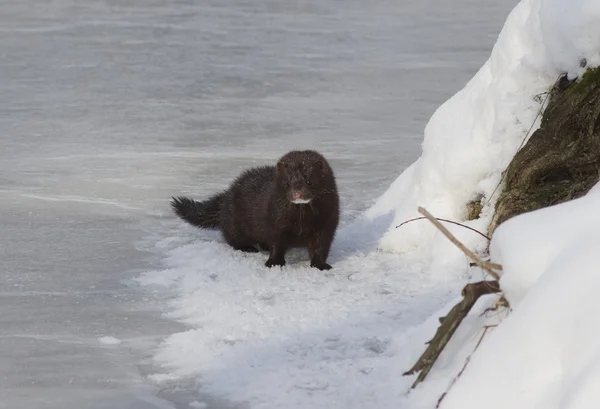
column 109, row 108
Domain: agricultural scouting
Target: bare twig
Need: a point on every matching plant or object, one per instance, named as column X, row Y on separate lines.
column 485, row 265
column 447, row 221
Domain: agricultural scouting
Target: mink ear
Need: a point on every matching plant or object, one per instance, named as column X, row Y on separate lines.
column 281, row 166
column 320, row 164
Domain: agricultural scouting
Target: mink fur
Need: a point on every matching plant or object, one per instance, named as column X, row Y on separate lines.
column 292, row 204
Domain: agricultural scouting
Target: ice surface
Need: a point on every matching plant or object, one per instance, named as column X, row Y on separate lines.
column 108, row 108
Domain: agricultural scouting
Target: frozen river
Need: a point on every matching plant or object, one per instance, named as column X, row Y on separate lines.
column 108, row 108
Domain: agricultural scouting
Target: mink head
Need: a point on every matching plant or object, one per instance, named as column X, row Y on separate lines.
column 305, row 175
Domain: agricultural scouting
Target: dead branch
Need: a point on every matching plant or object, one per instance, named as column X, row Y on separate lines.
column 485, row 265
column 449, row 324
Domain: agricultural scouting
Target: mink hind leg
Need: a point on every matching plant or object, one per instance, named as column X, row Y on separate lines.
column 238, row 240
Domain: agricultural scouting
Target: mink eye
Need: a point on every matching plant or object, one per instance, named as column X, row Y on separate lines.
column 308, row 182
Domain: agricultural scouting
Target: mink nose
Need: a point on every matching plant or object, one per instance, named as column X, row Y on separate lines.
column 297, row 195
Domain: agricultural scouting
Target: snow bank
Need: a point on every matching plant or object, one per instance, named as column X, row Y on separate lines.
column 471, row 138
column 571, row 31
column 545, row 354
column 529, row 244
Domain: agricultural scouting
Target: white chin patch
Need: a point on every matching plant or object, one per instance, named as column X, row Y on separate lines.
column 300, row 201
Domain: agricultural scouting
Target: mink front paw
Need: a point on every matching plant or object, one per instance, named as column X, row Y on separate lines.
column 273, row 262
column 321, row 265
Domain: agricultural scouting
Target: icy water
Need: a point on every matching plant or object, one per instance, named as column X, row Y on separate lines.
column 110, row 107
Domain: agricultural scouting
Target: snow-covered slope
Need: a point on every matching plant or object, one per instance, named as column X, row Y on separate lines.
column 297, row 338
column 545, row 354
column 471, row 138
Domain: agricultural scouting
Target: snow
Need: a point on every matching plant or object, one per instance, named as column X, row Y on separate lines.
column 296, row 337
column 268, row 335
column 551, row 230
column 545, row 354
column 570, row 31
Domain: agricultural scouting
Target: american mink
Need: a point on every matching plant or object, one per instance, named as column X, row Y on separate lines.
column 292, row 204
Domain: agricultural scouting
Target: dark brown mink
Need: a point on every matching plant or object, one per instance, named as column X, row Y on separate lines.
column 292, row 204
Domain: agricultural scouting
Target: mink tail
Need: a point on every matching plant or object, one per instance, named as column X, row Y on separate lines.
column 200, row 214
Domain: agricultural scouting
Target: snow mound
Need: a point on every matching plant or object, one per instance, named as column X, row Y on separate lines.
column 529, row 244
column 472, row 137
column 545, row 354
